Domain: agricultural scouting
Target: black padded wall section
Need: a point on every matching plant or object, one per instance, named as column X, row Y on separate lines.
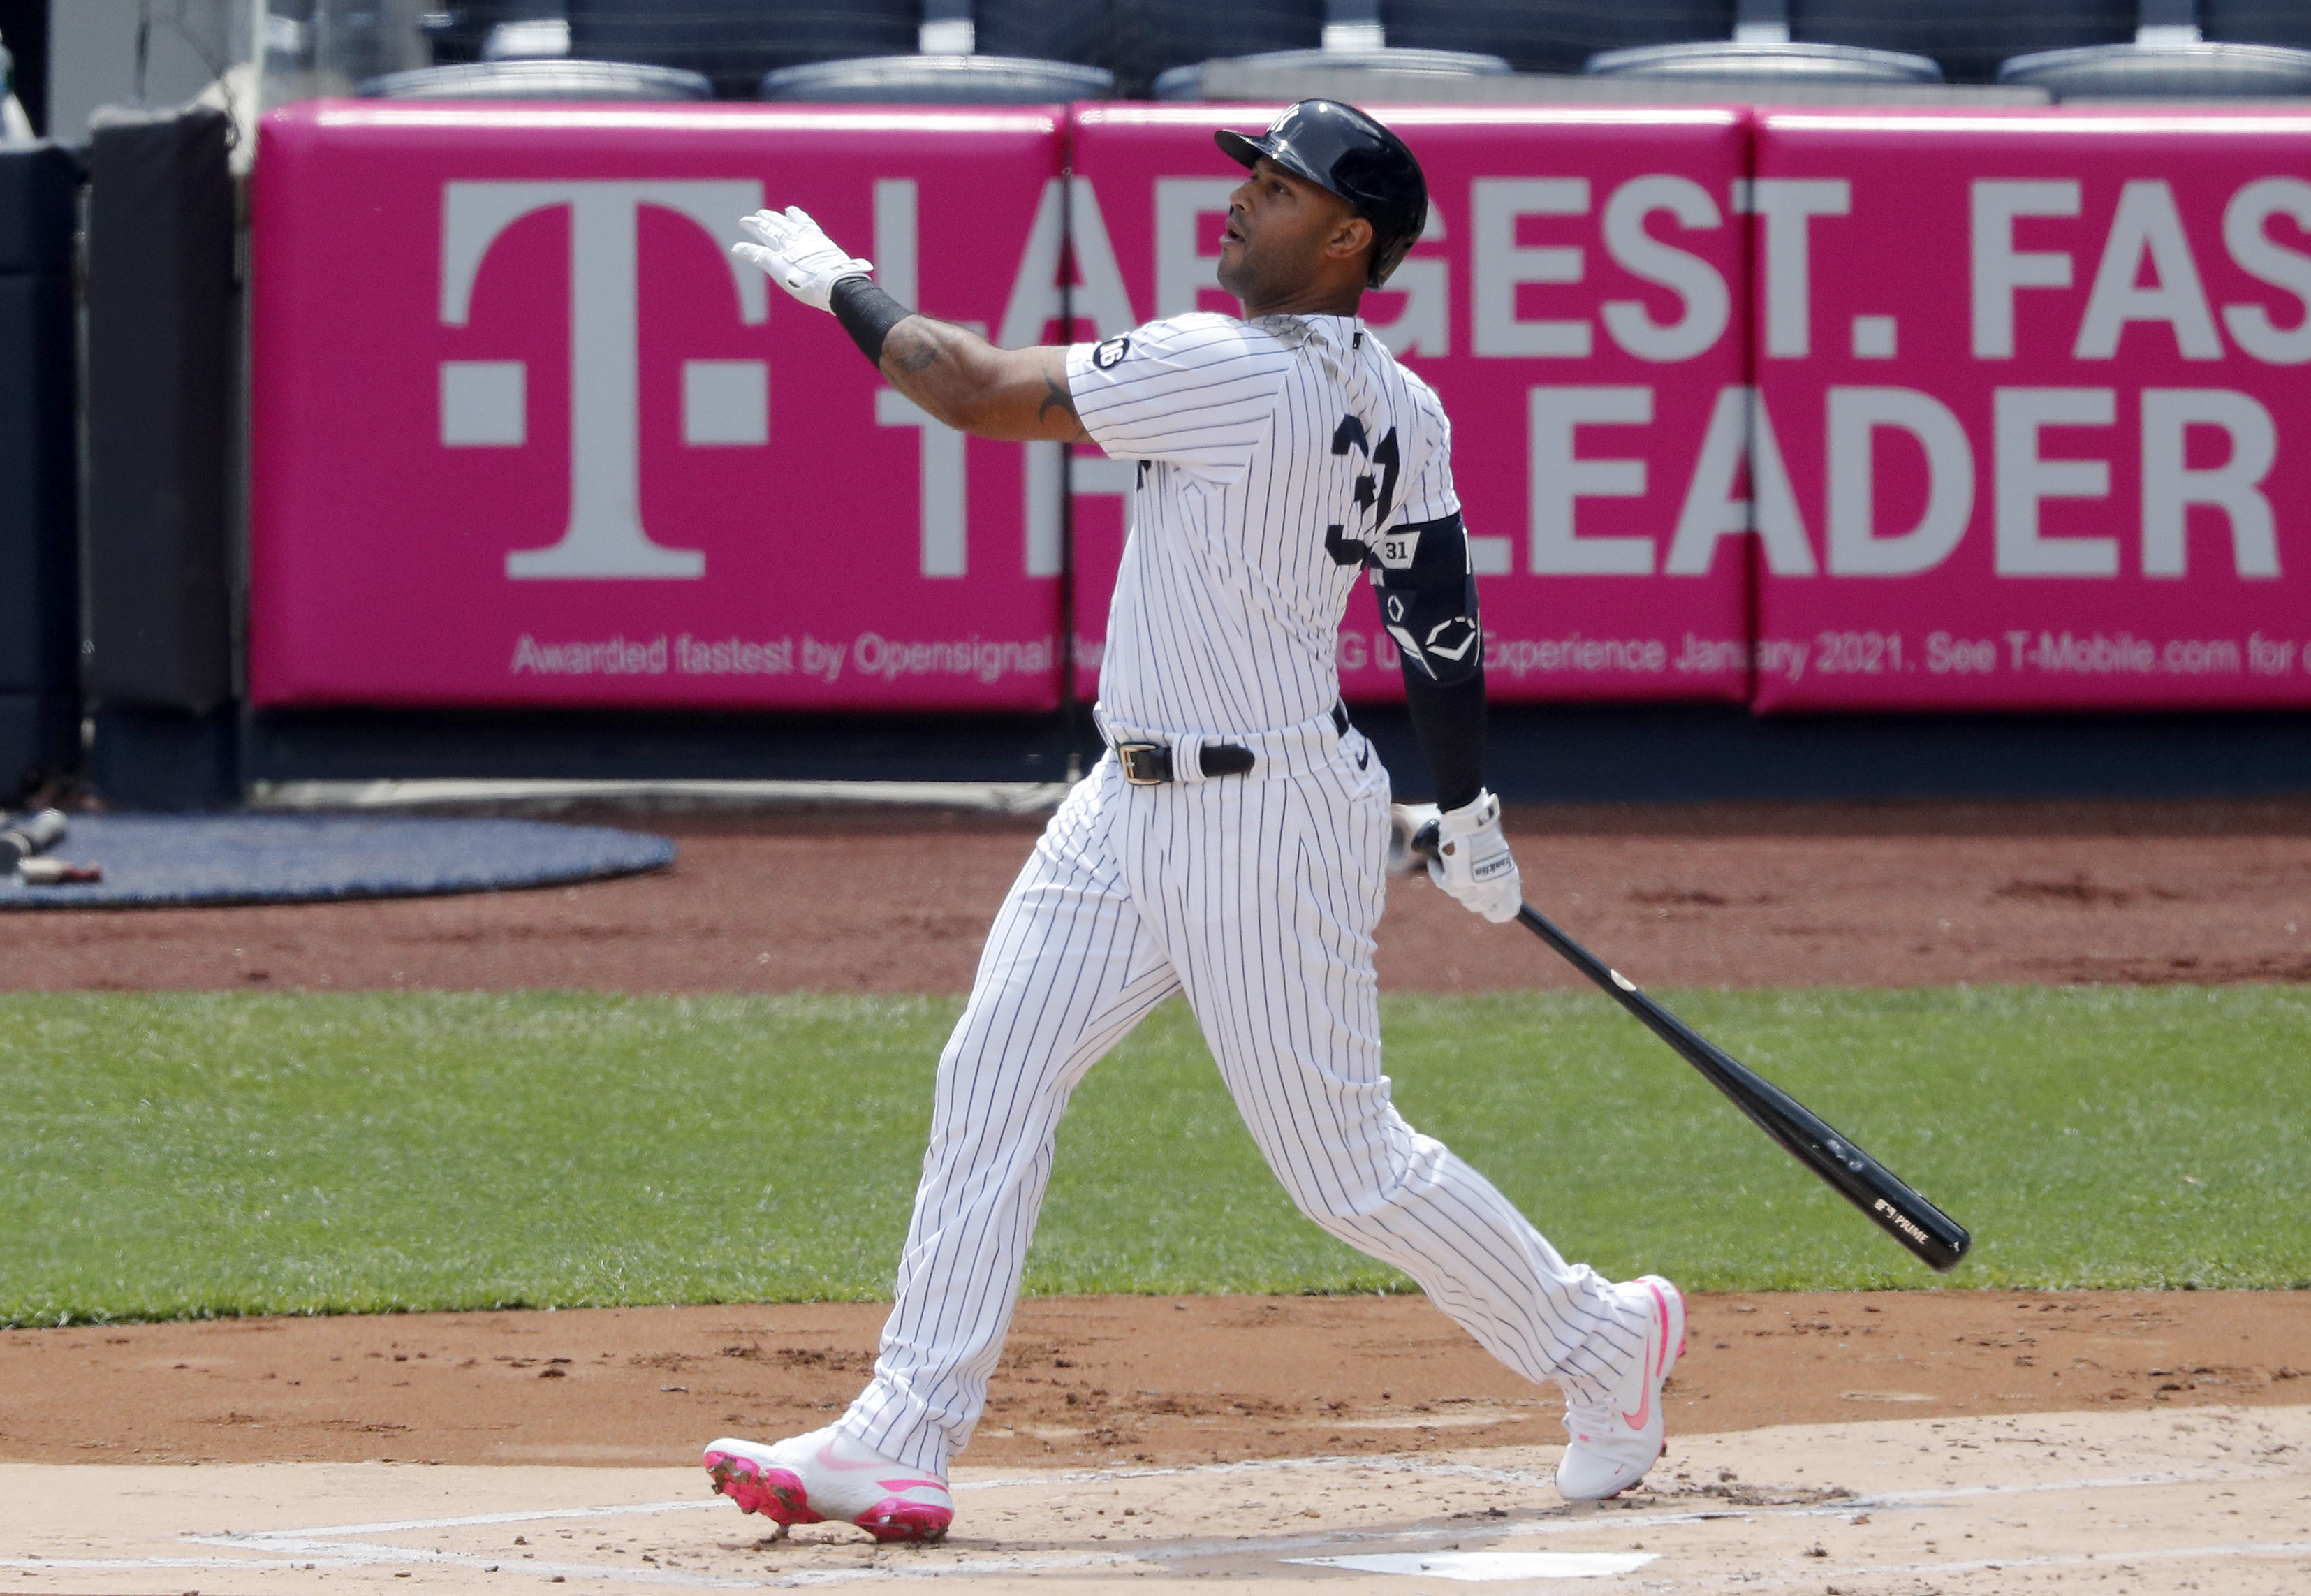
column 1044, row 30
column 39, row 608
column 39, row 612
column 160, row 348
column 2257, row 21
column 735, row 42
column 36, row 209
column 1144, row 38
column 1969, row 38
column 24, row 31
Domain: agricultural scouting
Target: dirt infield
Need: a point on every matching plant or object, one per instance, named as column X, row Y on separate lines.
column 1098, row 1382
column 1891, row 1444
column 1885, row 1444
column 1740, row 894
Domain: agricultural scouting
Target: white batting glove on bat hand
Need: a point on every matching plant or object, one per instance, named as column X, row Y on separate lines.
column 797, row 254
column 1471, row 860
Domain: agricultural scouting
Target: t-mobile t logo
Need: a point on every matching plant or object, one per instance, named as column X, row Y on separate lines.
column 484, row 402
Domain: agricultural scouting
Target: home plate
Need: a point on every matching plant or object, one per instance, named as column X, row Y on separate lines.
column 1491, row 1566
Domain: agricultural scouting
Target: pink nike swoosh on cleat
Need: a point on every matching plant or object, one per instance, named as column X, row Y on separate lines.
column 1612, row 1447
column 1636, row 1421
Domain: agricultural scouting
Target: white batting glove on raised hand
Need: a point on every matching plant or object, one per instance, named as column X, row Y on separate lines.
column 1473, row 859
column 798, row 256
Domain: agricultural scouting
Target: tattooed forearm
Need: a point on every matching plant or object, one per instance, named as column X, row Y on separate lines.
column 1056, row 397
column 962, row 379
column 913, row 345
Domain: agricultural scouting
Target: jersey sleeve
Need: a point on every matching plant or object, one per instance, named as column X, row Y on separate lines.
column 1427, row 494
column 1195, row 390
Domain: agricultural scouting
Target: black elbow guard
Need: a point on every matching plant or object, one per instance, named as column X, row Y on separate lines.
column 1428, row 599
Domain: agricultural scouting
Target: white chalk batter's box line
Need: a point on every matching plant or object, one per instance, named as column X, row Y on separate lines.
column 2111, row 1560
column 329, row 1545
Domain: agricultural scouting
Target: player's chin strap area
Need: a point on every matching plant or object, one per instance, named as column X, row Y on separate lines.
column 1152, row 759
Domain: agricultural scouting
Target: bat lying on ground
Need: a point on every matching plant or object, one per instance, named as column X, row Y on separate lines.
column 1869, row 1185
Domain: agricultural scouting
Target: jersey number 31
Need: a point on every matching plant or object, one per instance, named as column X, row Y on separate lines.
column 1350, row 434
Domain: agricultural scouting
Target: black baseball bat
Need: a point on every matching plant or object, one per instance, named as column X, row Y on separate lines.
column 1885, row 1198
column 33, row 834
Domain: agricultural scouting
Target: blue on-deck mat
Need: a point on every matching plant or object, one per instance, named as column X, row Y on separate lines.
column 152, row 861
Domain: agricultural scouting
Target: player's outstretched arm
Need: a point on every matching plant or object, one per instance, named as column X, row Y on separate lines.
column 1010, row 395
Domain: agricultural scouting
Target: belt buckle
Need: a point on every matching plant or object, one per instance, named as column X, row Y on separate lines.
column 1145, row 764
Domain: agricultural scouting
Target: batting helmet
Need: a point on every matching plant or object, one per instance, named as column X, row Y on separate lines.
column 1337, row 147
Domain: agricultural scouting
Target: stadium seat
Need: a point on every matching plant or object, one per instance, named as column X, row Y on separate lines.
column 889, row 51
column 540, row 80
column 529, row 38
column 1352, row 39
column 1762, row 49
column 948, row 70
column 2168, row 59
column 1556, row 36
column 939, row 80
column 734, row 42
column 918, row 52
column 520, row 49
column 457, row 34
column 1968, row 38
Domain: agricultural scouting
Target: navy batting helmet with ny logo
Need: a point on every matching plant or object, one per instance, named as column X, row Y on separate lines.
column 1339, row 148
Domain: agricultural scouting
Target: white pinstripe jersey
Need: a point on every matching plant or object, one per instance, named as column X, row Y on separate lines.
column 1272, row 451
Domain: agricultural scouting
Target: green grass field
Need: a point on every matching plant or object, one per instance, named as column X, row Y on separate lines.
column 175, row 1155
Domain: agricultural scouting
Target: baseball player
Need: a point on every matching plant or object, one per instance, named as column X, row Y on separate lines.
column 1232, row 844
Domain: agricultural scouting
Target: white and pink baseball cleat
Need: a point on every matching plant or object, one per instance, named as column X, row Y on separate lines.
column 825, row 1474
column 1614, row 1443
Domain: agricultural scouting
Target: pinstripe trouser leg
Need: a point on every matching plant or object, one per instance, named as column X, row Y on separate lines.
column 1265, row 894
column 1260, row 898
column 1068, row 969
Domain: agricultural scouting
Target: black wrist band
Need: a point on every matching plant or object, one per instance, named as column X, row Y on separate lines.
column 867, row 313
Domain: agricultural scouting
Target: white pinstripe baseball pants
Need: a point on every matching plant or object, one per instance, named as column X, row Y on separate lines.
column 1257, row 897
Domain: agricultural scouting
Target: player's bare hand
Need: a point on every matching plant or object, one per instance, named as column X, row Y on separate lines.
column 1467, row 854
column 797, row 254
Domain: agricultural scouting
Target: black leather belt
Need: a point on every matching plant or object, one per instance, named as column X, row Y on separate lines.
column 1149, row 765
